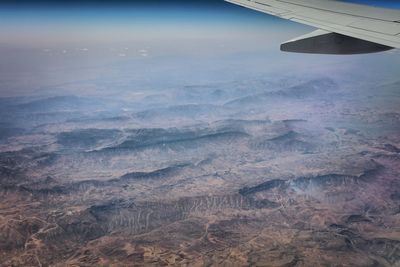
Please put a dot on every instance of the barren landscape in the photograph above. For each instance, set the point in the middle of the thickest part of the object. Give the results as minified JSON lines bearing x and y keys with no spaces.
{"x":269,"y":171}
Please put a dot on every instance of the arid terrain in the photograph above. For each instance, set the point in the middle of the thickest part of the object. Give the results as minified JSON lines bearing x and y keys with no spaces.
{"x":263,"y":172}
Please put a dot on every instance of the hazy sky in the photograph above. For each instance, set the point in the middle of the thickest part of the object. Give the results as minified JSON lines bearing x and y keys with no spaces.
{"x":47,"y":44}
{"x":55,"y":22}
{"x":118,"y":23}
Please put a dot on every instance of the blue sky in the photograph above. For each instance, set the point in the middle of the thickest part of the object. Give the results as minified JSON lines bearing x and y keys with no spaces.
{"x":383,"y":3}
{"x":147,"y":10}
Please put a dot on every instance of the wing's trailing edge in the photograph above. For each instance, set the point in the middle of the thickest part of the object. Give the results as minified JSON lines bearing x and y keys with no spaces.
{"x":345,"y":28}
{"x":323,"y":42}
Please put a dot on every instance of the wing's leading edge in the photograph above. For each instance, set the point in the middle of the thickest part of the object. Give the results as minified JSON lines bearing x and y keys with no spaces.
{"x":345,"y":28}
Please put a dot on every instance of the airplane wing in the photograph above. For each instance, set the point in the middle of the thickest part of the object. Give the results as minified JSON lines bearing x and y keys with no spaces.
{"x":343,"y":28}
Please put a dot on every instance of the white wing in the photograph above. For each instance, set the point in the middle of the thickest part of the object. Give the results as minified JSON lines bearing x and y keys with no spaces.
{"x":346,"y":28}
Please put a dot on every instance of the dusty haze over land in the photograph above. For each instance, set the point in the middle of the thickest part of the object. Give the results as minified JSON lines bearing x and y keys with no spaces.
{"x":208,"y":149}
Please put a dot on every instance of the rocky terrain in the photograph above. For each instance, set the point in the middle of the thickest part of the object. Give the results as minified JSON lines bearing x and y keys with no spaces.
{"x":301,"y":172}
